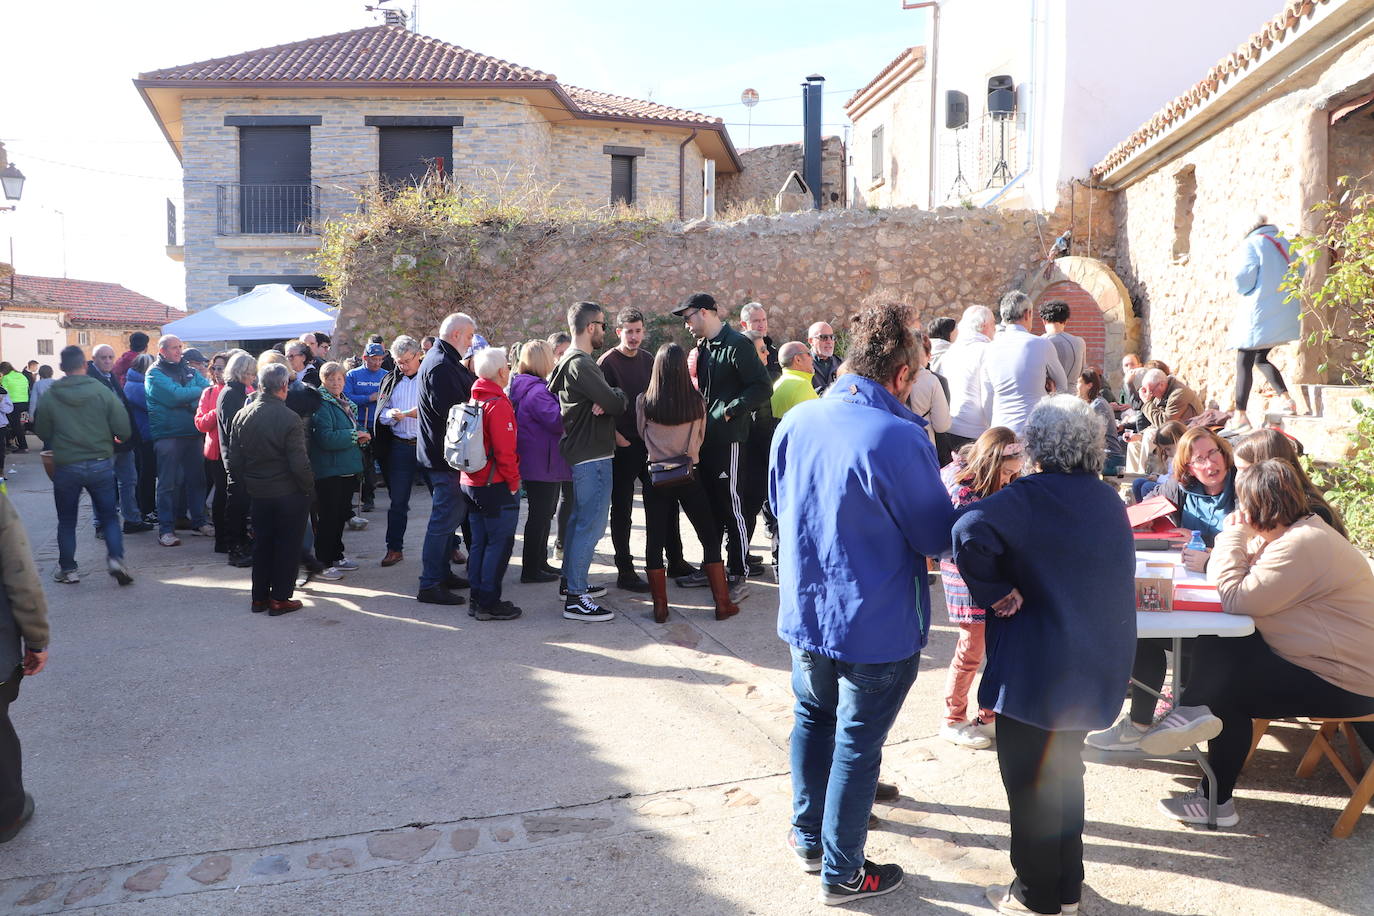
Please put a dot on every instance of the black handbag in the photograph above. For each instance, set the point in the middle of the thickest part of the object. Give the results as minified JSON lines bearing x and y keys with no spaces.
{"x":672,"y":472}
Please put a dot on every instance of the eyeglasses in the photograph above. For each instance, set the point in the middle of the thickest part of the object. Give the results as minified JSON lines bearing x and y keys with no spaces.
{"x":1202,"y":458}
{"x":593,"y":324}
{"x":690,"y":314}
{"x":824,"y":337}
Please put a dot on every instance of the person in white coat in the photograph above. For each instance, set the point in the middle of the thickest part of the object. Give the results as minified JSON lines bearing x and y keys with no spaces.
{"x":1266,"y":316}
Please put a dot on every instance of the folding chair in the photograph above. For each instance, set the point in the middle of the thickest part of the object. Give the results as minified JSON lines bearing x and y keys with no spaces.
{"x":1361,"y":786}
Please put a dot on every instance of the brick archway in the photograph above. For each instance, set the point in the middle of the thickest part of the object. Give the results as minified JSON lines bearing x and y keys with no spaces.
{"x":1085,"y":319}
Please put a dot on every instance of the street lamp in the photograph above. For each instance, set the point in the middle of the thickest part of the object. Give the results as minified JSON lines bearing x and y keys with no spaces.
{"x":13,"y":181}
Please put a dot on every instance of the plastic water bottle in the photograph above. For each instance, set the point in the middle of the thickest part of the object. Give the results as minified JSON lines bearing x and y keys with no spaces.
{"x":1195,"y":542}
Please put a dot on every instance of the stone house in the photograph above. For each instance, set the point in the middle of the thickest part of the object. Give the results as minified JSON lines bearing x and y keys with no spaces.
{"x":1267,"y":131}
{"x":1011,"y":100}
{"x":49,"y":313}
{"x":274,"y":141}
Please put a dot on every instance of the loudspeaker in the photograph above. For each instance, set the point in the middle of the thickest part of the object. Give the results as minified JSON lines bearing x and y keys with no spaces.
{"x":956,"y":109}
{"x":1001,"y":96}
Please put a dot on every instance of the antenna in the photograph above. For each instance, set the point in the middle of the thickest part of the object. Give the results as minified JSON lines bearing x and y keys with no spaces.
{"x":392,"y":16}
{"x":749,"y":98}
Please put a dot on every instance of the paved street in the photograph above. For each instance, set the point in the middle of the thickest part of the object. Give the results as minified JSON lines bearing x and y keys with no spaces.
{"x":369,"y":754}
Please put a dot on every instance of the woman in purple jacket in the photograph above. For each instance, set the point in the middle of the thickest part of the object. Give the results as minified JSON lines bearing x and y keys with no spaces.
{"x":539,"y":426}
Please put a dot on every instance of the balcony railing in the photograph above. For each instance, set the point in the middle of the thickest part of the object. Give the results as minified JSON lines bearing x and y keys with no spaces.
{"x":268,"y":209}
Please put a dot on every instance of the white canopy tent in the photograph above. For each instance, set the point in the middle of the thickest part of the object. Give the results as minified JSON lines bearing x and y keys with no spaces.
{"x":270,"y":311}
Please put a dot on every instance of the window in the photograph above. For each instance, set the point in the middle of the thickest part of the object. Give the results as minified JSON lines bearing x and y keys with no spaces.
{"x":407,"y":154}
{"x":1185,"y":196}
{"x":274,"y":179}
{"x":623,"y":180}
{"x":45,"y":348}
{"x":83,"y":338}
{"x":877,"y":153}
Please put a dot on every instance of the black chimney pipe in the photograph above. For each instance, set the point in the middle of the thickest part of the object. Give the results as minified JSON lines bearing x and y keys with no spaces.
{"x":811,"y":136}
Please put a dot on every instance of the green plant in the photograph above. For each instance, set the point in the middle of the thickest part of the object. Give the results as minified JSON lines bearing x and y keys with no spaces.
{"x":1332,"y":275}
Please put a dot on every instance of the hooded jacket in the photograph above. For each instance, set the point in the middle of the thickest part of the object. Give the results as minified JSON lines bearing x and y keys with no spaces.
{"x":499,"y":436}
{"x":81,"y":419}
{"x":579,"y":383}
{"x":857,"y":516}
{"x":23,"y":608}
{"x":137,"y":397}
{"x":540,"y":426}
{"x":173,"y":393}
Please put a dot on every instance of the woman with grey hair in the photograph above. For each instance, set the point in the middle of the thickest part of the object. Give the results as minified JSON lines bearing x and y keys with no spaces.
{"x":240,"y":377}
{"x":1060,"y":638}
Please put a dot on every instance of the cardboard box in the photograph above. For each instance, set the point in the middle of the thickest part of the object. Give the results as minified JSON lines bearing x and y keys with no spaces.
{"x":1154,"y":587}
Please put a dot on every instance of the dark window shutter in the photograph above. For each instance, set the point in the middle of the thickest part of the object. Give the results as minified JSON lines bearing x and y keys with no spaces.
{"x":274,"y":179}
{"x":623,"y":179}
{"x":405,"y":154}
{"x":877,"y":153}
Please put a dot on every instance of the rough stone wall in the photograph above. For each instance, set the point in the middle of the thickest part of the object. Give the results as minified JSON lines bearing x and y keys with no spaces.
{"x":504,"y":142}
{"x":103,"y":334}
{"x":1256,"y":165}
{"x":804,"y":267}
{"x":767,"y":167}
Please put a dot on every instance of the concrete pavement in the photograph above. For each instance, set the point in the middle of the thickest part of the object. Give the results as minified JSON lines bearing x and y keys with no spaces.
{"x":369,"y":754}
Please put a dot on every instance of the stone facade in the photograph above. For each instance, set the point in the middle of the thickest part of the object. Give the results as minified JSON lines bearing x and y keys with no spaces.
{"x":804,"y":267}
{"x":1180,"y":222}
{"x":506,"y":145}
{"x":766,"y":168}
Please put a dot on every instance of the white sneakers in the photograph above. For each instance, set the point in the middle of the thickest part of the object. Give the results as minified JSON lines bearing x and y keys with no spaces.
{"x":976,"y":735}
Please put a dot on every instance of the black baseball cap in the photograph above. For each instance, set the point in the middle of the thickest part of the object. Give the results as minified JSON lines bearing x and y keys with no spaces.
{"x":696,"y":301}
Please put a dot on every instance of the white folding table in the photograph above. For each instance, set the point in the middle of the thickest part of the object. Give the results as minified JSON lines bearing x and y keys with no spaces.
{"x":1178,"y":626}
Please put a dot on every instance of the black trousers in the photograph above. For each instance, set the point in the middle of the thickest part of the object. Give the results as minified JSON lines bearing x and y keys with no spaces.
{"x":754,"y":495}
{"x":334,"y":506}
{"x":147,"y":477}
{"x":565,"y":505}
{"x":279,"y":531}
{"x":369,"y":478}
{"x":17,"y":430}
{"x":1246,"y":361}
{"x":1149,"y":668}
{"x":661,"y":521}
{"x":1241,"y":679}
{"x":721,"y":472}
{"x":1042,"y":772}
{"x":630,"y":463}
{"x":218,"y":480}
{"x":543,"y":499}
{"x":11,"y":759}
{"x":236,"y":505}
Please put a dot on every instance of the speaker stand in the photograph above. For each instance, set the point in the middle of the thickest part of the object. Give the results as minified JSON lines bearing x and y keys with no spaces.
{"x":959,"y":179}
{"x":1001,"y":169}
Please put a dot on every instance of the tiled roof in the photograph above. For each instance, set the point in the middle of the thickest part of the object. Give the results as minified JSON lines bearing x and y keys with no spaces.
{"x":93,"y":302}
{"x":381,"y":53}
{"x":618,"y":106}
{"x":907,"y":54}
{"x":1273,"y":33}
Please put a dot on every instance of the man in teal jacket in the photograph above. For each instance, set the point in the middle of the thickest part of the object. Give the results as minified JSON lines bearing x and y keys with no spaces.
{"x":173,"y":390}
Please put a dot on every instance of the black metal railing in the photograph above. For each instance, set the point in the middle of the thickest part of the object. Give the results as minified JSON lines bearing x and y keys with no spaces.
{"x":269,"y":209}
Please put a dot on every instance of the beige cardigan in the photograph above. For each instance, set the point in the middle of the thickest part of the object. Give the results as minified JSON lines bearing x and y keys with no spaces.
{"x":1311,"y":594}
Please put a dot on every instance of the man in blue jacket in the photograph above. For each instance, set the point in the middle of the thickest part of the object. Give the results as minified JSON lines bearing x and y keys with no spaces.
{"x":363,"y":387}
{"x":857,"y":516}
{"x":173,"y":390}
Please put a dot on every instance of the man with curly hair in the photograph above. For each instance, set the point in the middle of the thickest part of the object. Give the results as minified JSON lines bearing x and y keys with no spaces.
{"x":857,"y":516}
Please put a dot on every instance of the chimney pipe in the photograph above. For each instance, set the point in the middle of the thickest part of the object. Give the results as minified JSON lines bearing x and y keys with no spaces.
{"x":811,"y":136}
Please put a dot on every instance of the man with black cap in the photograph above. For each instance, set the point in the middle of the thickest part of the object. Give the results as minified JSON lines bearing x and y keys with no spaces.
{"x":363,"y":386}
{"x":734,"y":382}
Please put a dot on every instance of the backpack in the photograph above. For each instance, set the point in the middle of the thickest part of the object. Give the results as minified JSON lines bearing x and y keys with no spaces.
{"x":465,"y":447}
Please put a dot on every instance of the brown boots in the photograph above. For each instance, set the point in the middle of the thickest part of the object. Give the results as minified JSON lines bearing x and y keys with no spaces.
{"x":720,"y":590}
{"x":658,"y":588}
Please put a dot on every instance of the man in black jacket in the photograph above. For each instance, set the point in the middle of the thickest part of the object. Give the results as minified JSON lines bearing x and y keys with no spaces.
{"x":444,"y":382}
{"x":101,"y":368}
{"x":735,"y":384}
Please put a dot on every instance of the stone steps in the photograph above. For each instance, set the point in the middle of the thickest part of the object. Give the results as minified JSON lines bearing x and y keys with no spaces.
{"x":1326,"y":433}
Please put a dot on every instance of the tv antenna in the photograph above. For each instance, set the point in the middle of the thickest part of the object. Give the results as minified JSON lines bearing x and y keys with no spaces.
{"x":393,"y":16}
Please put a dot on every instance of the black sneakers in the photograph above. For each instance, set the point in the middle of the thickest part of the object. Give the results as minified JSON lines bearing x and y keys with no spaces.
{"x":871,"y":881}
{"x":593,"y":591}
{"x":501,"y":610}
{"x":584,"y":608}
{"x":808,"y":856}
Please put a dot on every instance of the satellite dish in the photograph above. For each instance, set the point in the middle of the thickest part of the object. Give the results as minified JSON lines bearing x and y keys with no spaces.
{"x":749,"y":98}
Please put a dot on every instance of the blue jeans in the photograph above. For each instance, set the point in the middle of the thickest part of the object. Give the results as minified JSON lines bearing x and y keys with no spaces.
{"x":494,"y":513}
{"x":126,"y":477}
{"x":180,"y":467}
{"x":97,"y":478}
{"x":449,"y":509}
{"x":591,"y":507}
{"x":841,"y":719}
{"x":400,"y":481}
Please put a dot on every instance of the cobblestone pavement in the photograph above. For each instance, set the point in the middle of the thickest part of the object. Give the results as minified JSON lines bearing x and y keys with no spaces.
{"x":369,"y":754}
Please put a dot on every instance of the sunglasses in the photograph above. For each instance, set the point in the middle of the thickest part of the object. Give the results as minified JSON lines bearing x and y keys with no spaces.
{"x":825,"y":337}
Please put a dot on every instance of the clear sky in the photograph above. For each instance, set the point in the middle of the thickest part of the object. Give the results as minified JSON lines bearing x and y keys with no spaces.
{"x":99,"y":171}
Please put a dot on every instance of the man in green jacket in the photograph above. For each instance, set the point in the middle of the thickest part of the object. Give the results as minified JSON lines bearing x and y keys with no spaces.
{"x":734,"y":383}
{"x":81,"y":419}
{"x":589,"y":406}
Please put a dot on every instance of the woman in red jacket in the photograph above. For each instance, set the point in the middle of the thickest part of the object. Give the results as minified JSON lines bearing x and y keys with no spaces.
{"x":492,"y":489}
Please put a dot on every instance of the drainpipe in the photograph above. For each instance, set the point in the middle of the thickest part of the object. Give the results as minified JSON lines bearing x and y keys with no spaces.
{"x":1032,"y":93}
{"x":933,"y":62}
{"x":682,"y":175}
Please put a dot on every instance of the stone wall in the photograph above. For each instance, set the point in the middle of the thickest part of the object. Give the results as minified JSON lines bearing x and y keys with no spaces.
{"x":767,"y":167}
{"x":505,"y":143}
{"x":1179,"y":226}
{"x":804,"y":267}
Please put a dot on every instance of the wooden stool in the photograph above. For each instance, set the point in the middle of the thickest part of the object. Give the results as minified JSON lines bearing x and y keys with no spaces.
{"x":1361,"y":787}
